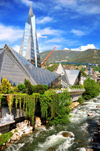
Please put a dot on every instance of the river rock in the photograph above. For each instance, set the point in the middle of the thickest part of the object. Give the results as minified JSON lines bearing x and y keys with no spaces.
{"x":97,"y":106}
{"x":90,"y":114}
{"x":7,"y":144}
{"x":51,"y":149}
{"x":4,"y":144}
{"x":74,"y":105}
{"x":82,"y":149}
{"x":9,"y":140}
{"x":79,"y":141}
{"x":66,"y":134}
{"x":17,"y":137}
{"x":2,"y":148}
{"x":12,"y":141}
{"x":98,"y":124}
{"x":14,"y":138}
{"x":37,"y":122}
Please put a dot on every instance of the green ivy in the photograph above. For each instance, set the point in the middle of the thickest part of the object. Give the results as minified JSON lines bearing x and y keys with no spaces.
{"x":45,"y":102}
{"x":53,"y":106}
{"x":1,"y":97}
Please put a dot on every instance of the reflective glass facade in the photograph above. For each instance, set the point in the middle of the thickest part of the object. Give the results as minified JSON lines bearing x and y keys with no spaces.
{"x":16,"y":68}
{"x":29,"y":46}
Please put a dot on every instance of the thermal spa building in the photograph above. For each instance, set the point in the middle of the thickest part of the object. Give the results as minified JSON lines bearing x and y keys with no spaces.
{"x":16,"y":68}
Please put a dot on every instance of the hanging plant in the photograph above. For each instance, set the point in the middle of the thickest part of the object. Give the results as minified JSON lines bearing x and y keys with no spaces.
{"x":1,"y":97}
{"x":16,"y":101}
{"x":24,"y":101}
{"x":20,"y":103}
{"x":45,"y":101}
{"x":31,"y":108}
{"x":26,"y":105}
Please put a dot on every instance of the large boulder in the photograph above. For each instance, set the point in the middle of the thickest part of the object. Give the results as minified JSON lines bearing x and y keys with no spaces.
{"x":90,"y":114}
{"x":66,"y":134}
{"x":37,"y":122}
{"x":74,"y":105}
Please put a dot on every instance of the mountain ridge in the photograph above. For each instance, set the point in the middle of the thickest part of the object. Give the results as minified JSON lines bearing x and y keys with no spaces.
{"x":87,"y":56}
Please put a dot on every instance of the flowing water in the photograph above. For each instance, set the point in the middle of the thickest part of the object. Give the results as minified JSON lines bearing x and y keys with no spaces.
{"x":81,"y":129}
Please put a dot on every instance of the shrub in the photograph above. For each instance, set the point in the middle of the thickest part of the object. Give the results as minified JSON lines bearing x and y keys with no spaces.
{"x":5,"y":137}
{"x":10,"y":91}
{"x":28,"y":87}
{"x":77,"y":86}
{"x":45,"y":86}
{"x":15,"y":89}
{"x":81,"y":100}
{"x":91,"y":89}
{"x":40,"y":89}
{"x":5,"y":86}
{"x":83,"y":74}
{"x":65,"y":98}
{"x":34,"y":88}
{"x":64,"y":109}
{"x":21,"y":87}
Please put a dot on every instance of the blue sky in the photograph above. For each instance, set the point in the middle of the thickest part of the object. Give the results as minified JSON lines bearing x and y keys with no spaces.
{"x":70,"y":24}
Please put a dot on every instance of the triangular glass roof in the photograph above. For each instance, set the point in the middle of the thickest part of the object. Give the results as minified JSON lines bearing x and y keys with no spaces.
{"x":39,"y":75}
{"x":72,"y":76}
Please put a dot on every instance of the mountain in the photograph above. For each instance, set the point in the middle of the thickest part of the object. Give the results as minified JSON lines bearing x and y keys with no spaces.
{"x":88,"y":56}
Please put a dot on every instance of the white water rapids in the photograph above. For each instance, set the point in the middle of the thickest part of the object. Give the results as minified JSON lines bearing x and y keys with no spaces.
{"x":51,"y":139}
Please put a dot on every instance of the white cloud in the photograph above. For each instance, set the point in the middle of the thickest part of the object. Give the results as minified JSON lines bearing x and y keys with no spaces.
{"x":10,"y":34}
{"x":44,"y":20}
{"x":16,"y":48}
{"x":68,"y":2}
{"x":27,"y":2}
{"x":36,"y":4}
{"x":49,"y":31}
{"x":44,"y":47}
{"x":81,"y":6}
{"x":55,"y":40}
{"x":88,"y":46}
{"x":83,"y":48}
{"x":77,"y":32}
{"x":66,"y":49}
{"x":40,"y":36}
{"x":57,"y":7}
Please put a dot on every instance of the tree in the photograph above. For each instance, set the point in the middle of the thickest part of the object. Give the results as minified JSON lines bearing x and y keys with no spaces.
{"x":21,"y":87}
{"x":91,"y":89}
{"x":45,"y":86}
{"x":28,"y":87}
{"x":5,"y":86}
{"x":40,"y":89}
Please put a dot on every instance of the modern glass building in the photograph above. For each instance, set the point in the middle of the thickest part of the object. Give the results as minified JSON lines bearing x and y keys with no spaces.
{"x":29,"y":46}
{"x":16,"y":68}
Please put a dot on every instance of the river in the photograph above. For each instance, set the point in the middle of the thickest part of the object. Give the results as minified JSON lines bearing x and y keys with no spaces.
{"x":81,"y":129}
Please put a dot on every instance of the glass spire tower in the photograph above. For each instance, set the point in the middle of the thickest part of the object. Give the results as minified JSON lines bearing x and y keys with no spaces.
{"x":29,"y":46}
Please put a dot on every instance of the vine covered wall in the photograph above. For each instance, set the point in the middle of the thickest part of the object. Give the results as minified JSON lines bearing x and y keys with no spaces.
{"x":52,"y":105}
